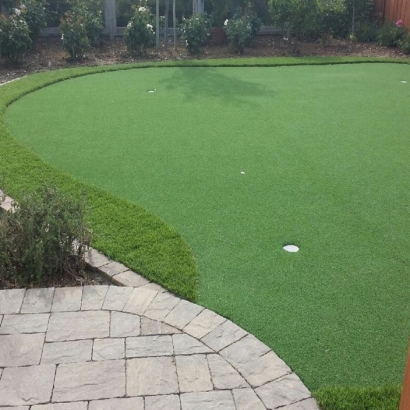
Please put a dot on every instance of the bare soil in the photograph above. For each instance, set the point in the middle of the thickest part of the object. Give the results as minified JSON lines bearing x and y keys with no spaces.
{"x":48,"y":54}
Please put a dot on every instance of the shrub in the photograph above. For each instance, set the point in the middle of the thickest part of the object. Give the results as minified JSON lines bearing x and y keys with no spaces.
{"x":405,"y":45}
{"x":195,"y":31}
{"x":239,"y":33}
{"x":45,"y":236}
{"x":367,"y":31}
{"x":391,"y":34}
{"x":330,"y":17}
{"x":139,"y":33}
{"x":35,"y":14}
{"x":14,"y":37}
{"x":74,"y":35}
{"x":254,"y":21}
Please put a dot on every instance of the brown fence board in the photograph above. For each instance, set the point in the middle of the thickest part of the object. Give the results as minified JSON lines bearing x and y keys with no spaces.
{"x":393,"y":10}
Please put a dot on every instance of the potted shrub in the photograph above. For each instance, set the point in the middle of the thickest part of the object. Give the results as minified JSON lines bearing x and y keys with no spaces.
{"x":219,"y":14}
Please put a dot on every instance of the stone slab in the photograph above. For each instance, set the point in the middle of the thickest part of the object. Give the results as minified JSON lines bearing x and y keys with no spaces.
{"x":151,"y":376}
{"x":21,"y":350}
{"x":309,"y":404}
{"x":133,"y":403}
{"x":14,"y":324}
{"x":124,"y":324}
{"x":78,"y":325}
{"x":161,"y":306}
{"x":193,"y":373}
{"x":93,"y":297}
{"x":169,"y":402}
{"x":139,"y":300}
{"x":153,"y":286}
{"x":89,"y":381}
{"x":246,"y":399}
{"x":95,"y":259}
{"x":244,"y":350}
{"x":11,"y":301}
{"x":26,"y":385}
{"x":108,"y":349}
{"x":38,"y":300}
{"x":151,"y":327}
{"x":224,"y":376}
{"x":67,"y":299}
{"x":116,"y":298}
{"x":113,"y":268}
{"x":147,"y":346}
{"x":129,"y":278}
{"x":224,"y":335}
{"x":81,"y":405}
{"x":15,"y":408}
{"x":282,"y":392}
{"x":208,"y":401}
{"x":67,"y":352}
{"x":183,"y":313}
{"x":204,"y":323}
{"x":185,"y":345}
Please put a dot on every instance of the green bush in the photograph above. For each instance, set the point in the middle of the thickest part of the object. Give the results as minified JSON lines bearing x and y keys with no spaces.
{"x":254,"y":21}
{"x":239,"y":33}
{"x":14,"y":37}
{"x":330,"y":18}
{"x":74,"y":35}
{"x":35,"y":14}
{"x":139,"y":33}
{"x":391,"y":34}
{"x":405,"y":45}
{"x":195,"y":31}
{"x":367,"y":31}
{"x":45,"y":236}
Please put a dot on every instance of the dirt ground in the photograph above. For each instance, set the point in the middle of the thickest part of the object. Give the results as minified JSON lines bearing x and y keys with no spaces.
{"x":48,"y":54}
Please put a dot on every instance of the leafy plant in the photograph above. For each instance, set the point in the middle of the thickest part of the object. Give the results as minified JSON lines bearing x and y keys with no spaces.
{"x":14,"y":37}
{"x":74,"y":35}
{"x":405,"y":44}
{"x":330,"y":17}
{"x":391,"y":34}
{"x":44,"y":236}
{"x":35,"y":14}
{"x":239,"y":33}
{"x":254,"y":21}
{"x":139,"y":33}
{"x":367,"y":31}
{"x":220,"y":12}
{"x":195,"y":31}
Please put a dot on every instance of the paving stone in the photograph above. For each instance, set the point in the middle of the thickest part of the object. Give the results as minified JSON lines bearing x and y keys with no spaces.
{"x":169,"y":402}
{"x":153,"y":327}
{"x":15,"y":408}
{"x":151,"y":376}
{"x":145,"y":346}
{"x":183,"y":313}
{"x":246,"y":399}
{"x":1,"y":371}
{"x":309,"y":404}
{"x":129,"y":278}
{"x":185,"y":344}
{"x":95,"y":258}
{"x":224,"y":335}
{"x":203,"y":324}
{"x":113,"y":268}
{"x":140,"y":300}
{"x":154,"y":286}
{"x":134,"y":403}
{"x":11,"y":301}
{"x":260,"y":370}
{"x":108,"y":349}
{"x":21,"y":350}
{"x":78,"y":325}
{"x":221,"y":400}
{"x":244,"y":350}
{"x":1,"y":319}
{"x":89,"y":381}
{"x":224,"y":376}
{"x":93,"y":297}
{"x":282,"y":392}
{"x":26,"y":385}
{"x":116,"y":298}
{"x":67,"y":352}
{"x":13,"y":324}
{"x":124,"y":324}
{"x":193,"y":373}
{"x":81,"y":405}
{"x":38,"y":300}
{"x":161,"y":306}
{"x":67,"y":299}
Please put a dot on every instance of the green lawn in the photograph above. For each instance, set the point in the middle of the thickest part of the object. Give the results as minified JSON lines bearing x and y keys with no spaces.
{"x":325,"y":156}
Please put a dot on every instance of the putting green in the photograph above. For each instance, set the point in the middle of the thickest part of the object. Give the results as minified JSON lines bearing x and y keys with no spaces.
{"x":242,"y":161}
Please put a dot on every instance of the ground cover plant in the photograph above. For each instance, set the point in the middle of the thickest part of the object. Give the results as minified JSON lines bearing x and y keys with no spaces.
{"x":257,"y":162}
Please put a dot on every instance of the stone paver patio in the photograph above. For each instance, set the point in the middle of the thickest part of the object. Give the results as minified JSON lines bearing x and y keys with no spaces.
{"x":142,"y":348}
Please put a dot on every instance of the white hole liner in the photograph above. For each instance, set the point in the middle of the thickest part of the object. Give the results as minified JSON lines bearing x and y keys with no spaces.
{"x":291,"y":248}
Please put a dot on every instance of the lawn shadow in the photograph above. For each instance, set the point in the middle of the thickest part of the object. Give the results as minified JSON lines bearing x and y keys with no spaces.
{"x":199,"y":82}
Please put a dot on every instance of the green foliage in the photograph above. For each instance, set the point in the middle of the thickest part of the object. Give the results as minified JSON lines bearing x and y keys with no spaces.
{"x":220,"y":12}
{"x":352,"y":398}
{"x":45,"y":236}
{"x":74,"y":35}
{"x":391,"y":35}
{"x":139,"y":33}
{"x":254,"y":21}
{"x":405,"y":45}
{"x":35,"y":14}
{"x":195,"y":31}
{"x":330,"y":18}
{"x":367,"y":31}
{"x":14,"y":37}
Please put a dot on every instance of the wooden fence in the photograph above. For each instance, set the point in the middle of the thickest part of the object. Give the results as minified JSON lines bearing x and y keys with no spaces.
{"x":393,"y":10}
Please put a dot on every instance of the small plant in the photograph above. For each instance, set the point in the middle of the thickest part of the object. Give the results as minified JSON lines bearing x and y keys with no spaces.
{"x":14,"y":37}
{"x":392,"y":34}
{"x":35,"y":14}
{"x":367,"y":31}
{"x":330,"y":17}
{"x":44,"y":236}
{"x":239,"y":33}
{"x":74,"y":35}
{"x":139,"y":33}
{"x":254,"y":21}
{"x":219,"y":13}
{"x":405,"y":45}
{"x":195,"y":31}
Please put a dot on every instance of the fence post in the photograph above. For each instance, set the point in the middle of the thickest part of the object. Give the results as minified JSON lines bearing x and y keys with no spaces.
{"x":405,"y":395}
{"x":110,"y":16}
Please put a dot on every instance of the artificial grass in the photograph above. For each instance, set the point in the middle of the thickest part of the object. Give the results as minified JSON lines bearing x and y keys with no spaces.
{"x":321,"y":148}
